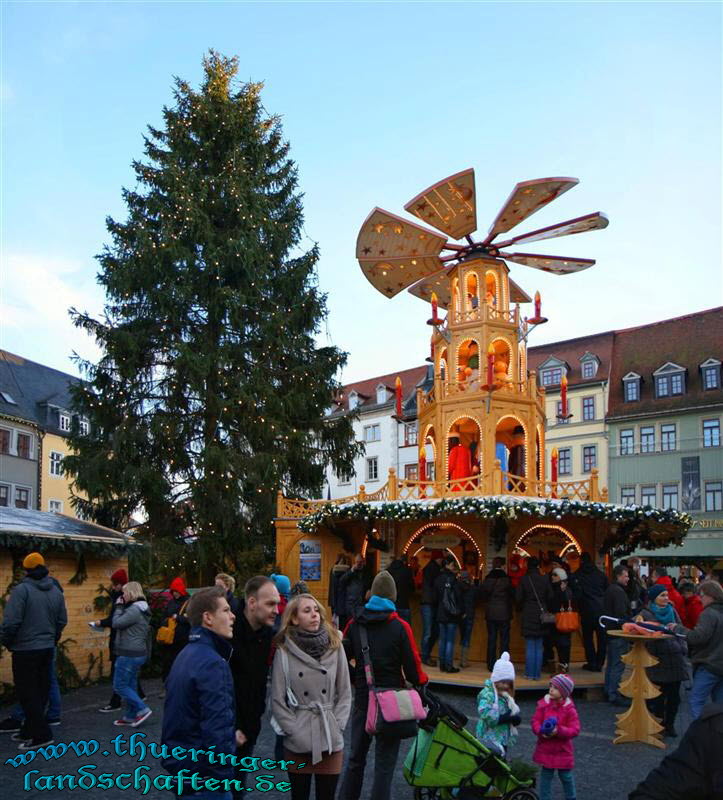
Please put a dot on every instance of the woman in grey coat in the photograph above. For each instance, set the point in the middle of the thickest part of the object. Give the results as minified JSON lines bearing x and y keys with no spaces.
{"x":672,"y":666}
{"x":310,"y":696}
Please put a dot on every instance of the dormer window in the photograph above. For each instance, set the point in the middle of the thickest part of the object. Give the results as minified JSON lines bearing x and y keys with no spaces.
{"x":669,"y":380}
{"x":64,"y":421}
{"x":710,"y":374}
{"x":83,"y":426}
{"x":382,"y":393}
{"x":551,"y":376}
{"x":631,"y":387}
{"x":353,"y":400}
{"x":588,"y":365}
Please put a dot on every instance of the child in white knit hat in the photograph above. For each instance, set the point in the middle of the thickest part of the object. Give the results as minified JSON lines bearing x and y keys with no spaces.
{"x":499,"y":715}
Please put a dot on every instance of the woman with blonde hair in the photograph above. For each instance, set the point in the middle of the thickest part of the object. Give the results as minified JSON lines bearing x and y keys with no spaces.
{"x":131,"y":622}
{"x":310,"y":696}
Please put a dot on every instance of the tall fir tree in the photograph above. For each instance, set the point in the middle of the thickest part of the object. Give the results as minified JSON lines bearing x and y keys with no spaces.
{"x":210,"y":393}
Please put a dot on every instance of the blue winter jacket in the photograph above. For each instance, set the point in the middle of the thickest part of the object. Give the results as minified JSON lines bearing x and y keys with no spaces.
{"x":200,"y":707}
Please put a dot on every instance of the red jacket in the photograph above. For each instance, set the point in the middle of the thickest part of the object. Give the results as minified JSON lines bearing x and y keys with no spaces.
{"x":676,"y":598}
{"x":556,"y":752}
{"x":693,"y":607}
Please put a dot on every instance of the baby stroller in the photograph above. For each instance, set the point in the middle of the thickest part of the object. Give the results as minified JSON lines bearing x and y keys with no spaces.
{"x":446,"y":762}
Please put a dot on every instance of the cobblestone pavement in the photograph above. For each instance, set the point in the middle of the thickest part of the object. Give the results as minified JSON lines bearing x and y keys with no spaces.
{"x":603,"y":770}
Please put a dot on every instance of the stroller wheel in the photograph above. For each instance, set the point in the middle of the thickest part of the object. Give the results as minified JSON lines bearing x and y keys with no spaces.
{"x":521,"y":794}
{"x":426,"y":793}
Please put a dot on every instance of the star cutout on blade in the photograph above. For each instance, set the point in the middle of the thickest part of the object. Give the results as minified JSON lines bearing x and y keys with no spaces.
{"x":366,"y":251}
{"x":421,"y":206}
{"x":382,"y":252}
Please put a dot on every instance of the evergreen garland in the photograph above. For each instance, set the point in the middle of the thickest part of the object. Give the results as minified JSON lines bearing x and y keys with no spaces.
{"x":26,"y":542}
{"x":211,"y":390}
{"x":632,"y":527}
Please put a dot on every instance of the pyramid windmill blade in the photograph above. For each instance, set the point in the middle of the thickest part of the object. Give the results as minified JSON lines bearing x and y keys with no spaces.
{"x":526,"y":198}
{"x":589,"y":222}
{"x":395,"y":253}
{"x":439,"y":284}
{"x":558,"y":265}
{"x":449,"y":205}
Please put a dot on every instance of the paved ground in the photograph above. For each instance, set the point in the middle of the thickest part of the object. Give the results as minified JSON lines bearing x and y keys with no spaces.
{"x":603,"y":769}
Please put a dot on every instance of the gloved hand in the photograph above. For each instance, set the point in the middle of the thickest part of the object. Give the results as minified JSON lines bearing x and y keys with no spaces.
{"x":548,"y":726}
{"x":505,"y":718}
{"x":515,"y":719}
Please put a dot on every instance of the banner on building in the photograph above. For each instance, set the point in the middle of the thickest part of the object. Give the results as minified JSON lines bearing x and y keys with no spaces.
{"x":690,"y":468}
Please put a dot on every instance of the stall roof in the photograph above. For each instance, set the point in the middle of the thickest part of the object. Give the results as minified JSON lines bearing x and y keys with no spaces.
{"x":57,"y":526}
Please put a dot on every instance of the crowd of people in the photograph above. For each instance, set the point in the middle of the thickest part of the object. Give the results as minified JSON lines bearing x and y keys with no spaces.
{"x":222,"y":654}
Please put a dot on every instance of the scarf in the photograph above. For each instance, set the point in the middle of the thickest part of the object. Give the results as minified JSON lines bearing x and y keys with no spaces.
{"x":663,"y":614}
{"x":313,"y":643}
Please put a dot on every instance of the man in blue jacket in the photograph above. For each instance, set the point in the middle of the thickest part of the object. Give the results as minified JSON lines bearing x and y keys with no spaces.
{"x":200,"y":708}
{"x":35,"y":616}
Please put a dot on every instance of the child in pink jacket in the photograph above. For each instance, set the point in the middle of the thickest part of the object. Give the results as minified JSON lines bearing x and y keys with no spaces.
{"x":556,"y":724}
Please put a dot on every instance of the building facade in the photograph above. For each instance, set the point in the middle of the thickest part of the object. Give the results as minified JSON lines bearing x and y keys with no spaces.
{"x":35,"y":417}
{"x":664,"y":425}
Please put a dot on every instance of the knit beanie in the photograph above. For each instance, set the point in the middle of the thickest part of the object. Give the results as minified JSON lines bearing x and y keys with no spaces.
{"x":563,"y":683}
{"x":656,"y":590}
{"x":119,"y":576}
{"x":282,"y":584}
{"x":383,"y":586}
{"x":560,"y":572}
{"x":33,"y":560}
{"x":504,"y":669}
{"x":178,"y":585}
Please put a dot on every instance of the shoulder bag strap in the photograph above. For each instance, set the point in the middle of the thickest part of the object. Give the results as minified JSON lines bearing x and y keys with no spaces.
{"x":537,"y":597}
{"x":291,"y":700}
{"x":368,"y":671}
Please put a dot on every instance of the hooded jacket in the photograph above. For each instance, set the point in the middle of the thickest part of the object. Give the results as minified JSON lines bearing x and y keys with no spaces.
{"x":496,"y":592}
{"x":393,"y":652}
{"x":337,"y":593}
{"x":556,"y":752}
{"x":706,"y":639}
{"x":199,"y":709}
{"x":588,"y":585}
{"x":695,"y":770}
{"x":132,"y":625}
{"x":35,"y":614}
{"x":448,"y":580}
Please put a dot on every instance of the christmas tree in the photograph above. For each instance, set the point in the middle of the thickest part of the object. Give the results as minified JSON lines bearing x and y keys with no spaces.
{"x":210,"y":393}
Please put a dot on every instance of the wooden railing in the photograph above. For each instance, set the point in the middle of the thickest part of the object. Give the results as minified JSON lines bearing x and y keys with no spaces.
{"x":496,"y":482}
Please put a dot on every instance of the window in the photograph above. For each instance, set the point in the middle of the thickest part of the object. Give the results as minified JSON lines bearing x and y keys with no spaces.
{"x":373,"y":469}
{"x":711,"y":433}
{"x":670,"y":495}
{"x":551,"y":377}
{"x":353,"y":400}
{"x":4,"y":494}
{"x":56,"y":506}
{"x":711,"y":377}
{"x":667,"y":437}
{"x":8,"y":398}
{"x":64,"y":422}
{"x":411,"y":472}
{"x":588,"y":408}
{"x":627,"y":495}
{"x":410,"y":433}
{"x":647,"y":439}
{"x":84,"y":427}
{"x":564,"y":461}
{"x":662,"y":386}
{"x":589,"y":368}
{"x":627,"y":442}
{"x":22,"y":497}
{"x":589,"y":457}
{"x":56,"y":463}
{"x":431,"y":470}
{"x":560,"y":419}
{"x":666,"y":385}
{"x":676,"y":383}
{"x":4,"y":440}
{"x":632,"y":389}
{"x":342,"y":480}
{"x":714,"y":496}
{"x":648,"y":495}
{"x":372,"y":433}
{"x":24,"y":443}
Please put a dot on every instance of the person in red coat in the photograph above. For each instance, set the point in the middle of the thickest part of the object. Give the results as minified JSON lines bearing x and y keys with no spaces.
{"x":556,"y":724}
{"x":660,"y":575}
{"x":459,"y":464}
{"x":693,"y":605}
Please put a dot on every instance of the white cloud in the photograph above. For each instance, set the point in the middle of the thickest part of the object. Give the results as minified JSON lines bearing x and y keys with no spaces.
{"x":37,"y":291}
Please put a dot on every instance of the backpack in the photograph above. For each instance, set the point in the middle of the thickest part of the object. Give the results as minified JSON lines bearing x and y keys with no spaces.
{"x":449,"y":600}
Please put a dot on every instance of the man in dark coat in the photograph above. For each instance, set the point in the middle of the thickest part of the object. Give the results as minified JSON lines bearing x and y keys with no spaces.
{"x":34,"y":619}
{"x":533,"y":596}
{"x":695,"y":770}
{"x":588,"y":586}
{"x":404,"y":581}
{"x":430,"y":626}
{"x":337,"y":593}
{"x":199,"y":708}
{"x":355,"y":584}
{"x":616,"y":604}
{"x":450,"y":612}
{"x":252,"y":635}
{"x":496,"y":592}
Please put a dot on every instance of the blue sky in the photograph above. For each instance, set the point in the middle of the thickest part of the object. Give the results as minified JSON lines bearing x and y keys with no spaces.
{"x":379,"y":100}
